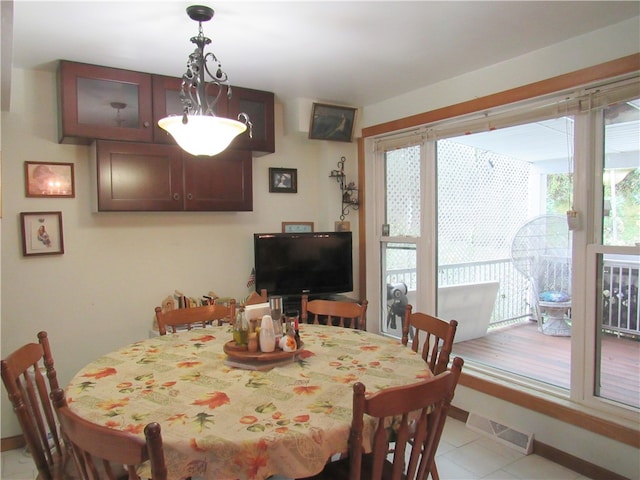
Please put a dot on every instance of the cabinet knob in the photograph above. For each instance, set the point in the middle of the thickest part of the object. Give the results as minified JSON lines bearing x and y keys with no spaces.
{"x":189,"y":196}
{"x":146,"y":124}
{"x":176,"y":196}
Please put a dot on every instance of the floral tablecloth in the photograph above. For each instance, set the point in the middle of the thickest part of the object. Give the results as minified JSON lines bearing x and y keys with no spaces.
{"x":220,"y":422}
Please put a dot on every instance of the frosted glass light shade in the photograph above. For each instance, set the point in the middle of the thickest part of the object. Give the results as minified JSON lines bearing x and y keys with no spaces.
{"x":202,"y":134}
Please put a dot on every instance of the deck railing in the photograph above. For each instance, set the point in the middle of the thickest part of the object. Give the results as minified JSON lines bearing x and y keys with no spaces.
{"x":621,"y":314}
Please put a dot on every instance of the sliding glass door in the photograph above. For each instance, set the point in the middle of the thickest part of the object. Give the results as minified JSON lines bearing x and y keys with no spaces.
{"x":504,"y":246}
{"x":615,"y":252}
{"x":526,"y":232}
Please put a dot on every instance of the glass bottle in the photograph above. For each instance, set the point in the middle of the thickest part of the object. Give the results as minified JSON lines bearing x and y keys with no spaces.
{"x":241,"y":328}
{"x":293,"y":318}
{"x":275,"y":305}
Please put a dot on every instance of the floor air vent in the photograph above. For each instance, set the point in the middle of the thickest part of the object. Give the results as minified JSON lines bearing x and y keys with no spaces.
{"x":523,"y":442}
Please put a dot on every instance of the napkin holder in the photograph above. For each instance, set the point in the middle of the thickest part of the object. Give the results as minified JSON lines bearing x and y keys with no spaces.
{"x":256,"y":312}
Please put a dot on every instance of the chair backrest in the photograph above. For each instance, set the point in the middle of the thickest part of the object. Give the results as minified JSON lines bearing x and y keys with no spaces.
{"x":200,"y":316}
{"x":334,"y":312}
{"x":99,"y":451}
{"x":22,"y":375}
{"x":438,"y":337}
{"x":419,"y":412}
{"x":256,"y":297}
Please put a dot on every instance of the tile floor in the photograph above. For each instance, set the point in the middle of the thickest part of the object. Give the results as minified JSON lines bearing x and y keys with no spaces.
{"x":463,"y":455}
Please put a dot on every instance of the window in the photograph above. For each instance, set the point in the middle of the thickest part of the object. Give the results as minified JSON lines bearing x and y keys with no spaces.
{"x":536,"y":160}
{"x":616,"y":328}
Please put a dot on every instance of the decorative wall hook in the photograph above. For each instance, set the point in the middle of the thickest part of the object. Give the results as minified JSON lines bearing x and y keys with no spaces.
{"x":349,"y":190}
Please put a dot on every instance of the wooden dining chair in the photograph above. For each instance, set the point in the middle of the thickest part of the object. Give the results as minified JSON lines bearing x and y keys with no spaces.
{"x":438,"y":338}
{"x":100,"y":452}
{"x":199,"y":316}
{"x":418,"y":413}
{"x":22,"y":375}
{"x":254,"y":298}
{"x":334,"y":312}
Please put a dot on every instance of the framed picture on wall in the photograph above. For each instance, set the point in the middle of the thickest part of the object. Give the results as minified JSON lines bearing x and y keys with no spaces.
{"x":297,"y":227}
{"x":283,"y":180}
{"x":41,"y":233}
{"x":44,"y":179}
{"x":332,"y":122}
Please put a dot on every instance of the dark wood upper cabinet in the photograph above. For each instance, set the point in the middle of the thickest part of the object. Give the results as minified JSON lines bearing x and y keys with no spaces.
{"x":219,"y":183}
{"x":103,"y":103}
{"x":154,"y":177}
{"x":138,"y":177}
{"x":138,"y":165}
{"x":259,"y":106}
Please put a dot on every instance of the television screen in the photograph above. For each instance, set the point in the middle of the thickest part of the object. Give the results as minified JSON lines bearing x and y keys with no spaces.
{"x":297,"y":263}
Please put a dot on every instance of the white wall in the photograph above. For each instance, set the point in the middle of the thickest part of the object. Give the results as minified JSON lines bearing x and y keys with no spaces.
{"x":117,"y":267}
{"x":581,"y":52}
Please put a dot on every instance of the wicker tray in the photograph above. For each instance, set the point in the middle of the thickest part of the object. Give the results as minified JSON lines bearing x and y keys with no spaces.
{"x":241,"y":353}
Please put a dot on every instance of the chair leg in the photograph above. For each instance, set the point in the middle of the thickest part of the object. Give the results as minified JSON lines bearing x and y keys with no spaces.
{"x":434,"y":472}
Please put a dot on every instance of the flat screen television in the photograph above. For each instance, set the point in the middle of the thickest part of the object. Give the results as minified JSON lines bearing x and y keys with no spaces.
{"x":297,"y":263}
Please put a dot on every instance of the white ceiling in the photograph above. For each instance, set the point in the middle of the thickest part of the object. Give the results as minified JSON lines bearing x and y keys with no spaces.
{"x":352,"y":53}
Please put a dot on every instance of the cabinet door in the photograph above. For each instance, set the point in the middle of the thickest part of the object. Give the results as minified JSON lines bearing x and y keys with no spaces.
{"x":138,"y":177}
{"x":219,"y":183}
{"x":103,"y":103}
{"x":259,"y":106}
{"x":166,"y":101}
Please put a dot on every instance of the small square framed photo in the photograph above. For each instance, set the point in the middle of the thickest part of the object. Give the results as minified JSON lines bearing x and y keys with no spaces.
{"x":283,"y":180}
{"x":297,"y":227}
{"x":44,"y":179}
{"x":41,"y":233}
{"x":332,"y":122}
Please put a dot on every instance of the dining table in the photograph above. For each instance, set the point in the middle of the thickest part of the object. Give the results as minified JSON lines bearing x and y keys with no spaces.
{"x":223,"y":422}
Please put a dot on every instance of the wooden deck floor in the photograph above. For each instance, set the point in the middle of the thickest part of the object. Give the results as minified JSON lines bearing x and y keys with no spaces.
{"x":547,"y":359}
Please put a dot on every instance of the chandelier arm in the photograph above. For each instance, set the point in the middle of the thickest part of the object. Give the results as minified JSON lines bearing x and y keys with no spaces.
{"x":245,"y":117}
{"x":200,"y":81}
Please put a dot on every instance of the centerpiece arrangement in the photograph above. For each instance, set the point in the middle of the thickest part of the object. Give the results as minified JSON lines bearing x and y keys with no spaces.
{"x":262,"y":347}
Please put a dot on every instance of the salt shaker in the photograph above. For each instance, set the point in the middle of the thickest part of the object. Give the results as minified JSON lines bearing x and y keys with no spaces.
{"x":267,"y":335}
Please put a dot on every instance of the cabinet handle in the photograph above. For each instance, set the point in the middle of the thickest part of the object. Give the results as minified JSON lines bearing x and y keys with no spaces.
{"x":146,"y":124}
{"x":189,"y":196}
{"x":176,"y":196}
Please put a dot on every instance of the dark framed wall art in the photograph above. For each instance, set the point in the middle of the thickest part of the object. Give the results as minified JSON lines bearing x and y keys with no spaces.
{"x":44,"y":179}
{"x":332,"y":122}
{"x":41,"y":233}
{"x":283,"y":180}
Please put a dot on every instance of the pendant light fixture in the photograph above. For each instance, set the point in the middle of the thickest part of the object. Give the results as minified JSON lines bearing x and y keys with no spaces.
{"x":198,"y":130}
